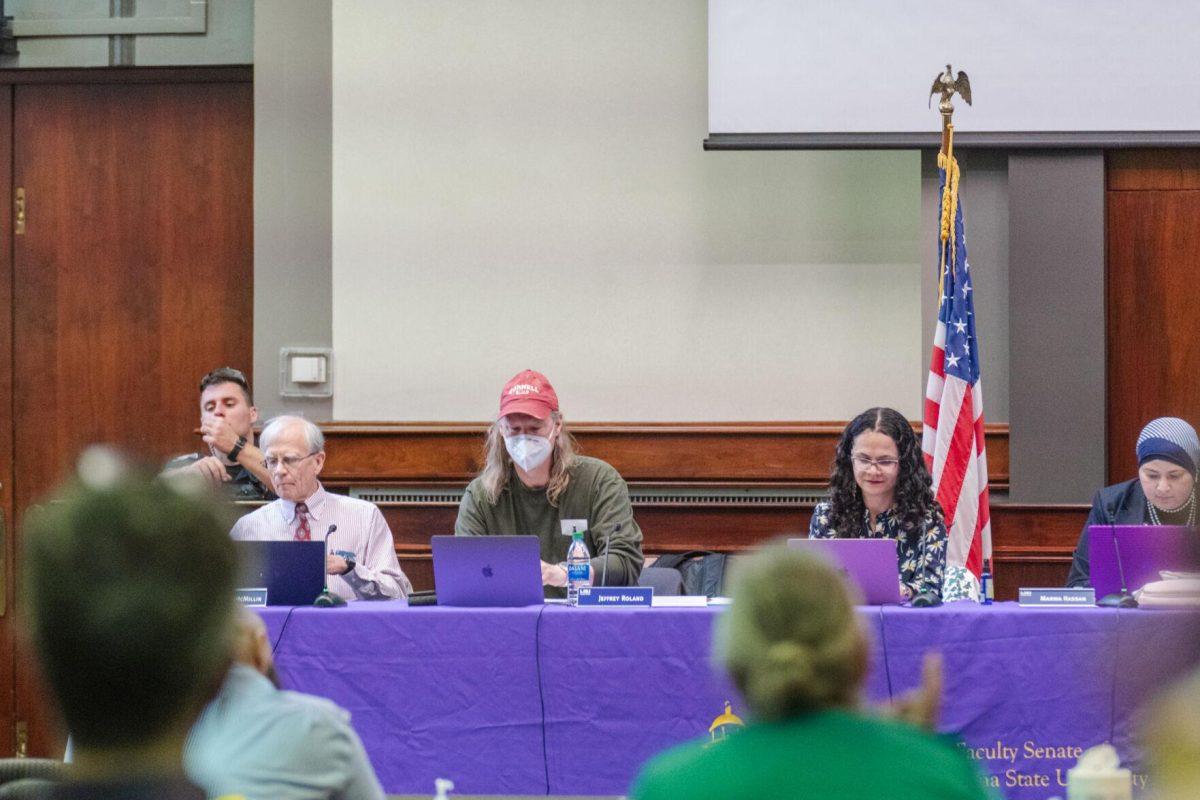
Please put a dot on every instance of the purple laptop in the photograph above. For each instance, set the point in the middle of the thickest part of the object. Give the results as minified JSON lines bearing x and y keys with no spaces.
{"x":1144,"y":550}
{"x":870,"y":564}
{"x":487,"y":571}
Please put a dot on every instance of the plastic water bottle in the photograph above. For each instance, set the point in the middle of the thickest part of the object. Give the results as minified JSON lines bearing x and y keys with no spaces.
{"x":987,"y":589}
{"x":579,"y":567}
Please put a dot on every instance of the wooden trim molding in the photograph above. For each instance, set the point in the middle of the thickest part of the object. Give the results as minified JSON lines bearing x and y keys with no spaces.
{"x":766,"y":453}
{"x":235,"y":73}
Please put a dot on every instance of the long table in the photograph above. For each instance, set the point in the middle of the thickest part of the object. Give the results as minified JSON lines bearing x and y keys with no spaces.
{"x":571,"y":701}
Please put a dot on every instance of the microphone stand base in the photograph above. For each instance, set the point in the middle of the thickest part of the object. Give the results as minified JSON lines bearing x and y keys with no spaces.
{"x":1121,"y":599}
{"x":328,"y":599}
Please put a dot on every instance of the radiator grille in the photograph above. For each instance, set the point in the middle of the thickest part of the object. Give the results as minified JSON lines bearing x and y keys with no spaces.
{"x":641,"y":496}
{"x":408,"y":497}
{"x":726,"y":496}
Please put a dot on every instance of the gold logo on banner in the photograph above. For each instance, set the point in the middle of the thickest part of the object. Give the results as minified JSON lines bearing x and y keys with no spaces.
{"x":725,"y":724}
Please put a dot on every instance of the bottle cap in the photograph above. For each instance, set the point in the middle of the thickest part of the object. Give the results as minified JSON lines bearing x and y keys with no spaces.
{"x":577,"y":535}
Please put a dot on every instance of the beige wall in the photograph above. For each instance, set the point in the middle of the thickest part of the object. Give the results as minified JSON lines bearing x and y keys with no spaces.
{"x":292,"y":217}
{"x":522,"y":184}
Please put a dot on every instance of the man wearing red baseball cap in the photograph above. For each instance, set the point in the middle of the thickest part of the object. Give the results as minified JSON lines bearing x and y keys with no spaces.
{"x":534,"y":482}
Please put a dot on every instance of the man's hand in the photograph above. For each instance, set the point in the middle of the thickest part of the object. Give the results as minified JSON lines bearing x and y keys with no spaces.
{"x":553,"y":575}
{"x":922,"y":706}
{"x":219,"y":434}
{"x":211,"y":468}
{"x":336,"y":565}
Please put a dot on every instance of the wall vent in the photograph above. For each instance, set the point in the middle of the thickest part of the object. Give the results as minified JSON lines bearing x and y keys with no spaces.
{"x":421,"y":496}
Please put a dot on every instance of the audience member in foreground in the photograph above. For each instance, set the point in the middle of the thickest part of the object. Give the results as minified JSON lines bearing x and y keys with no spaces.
{"x":130,"y":589}
{"x":1171,"y":735}
{"x":533,"y":482}
{"x":227,"y":417}
{"x":793,"y":646}
{"x":1163,"y":493}
{"x":361,"y":561}
{"x":880,"y":489}
{"x":257,"y":740}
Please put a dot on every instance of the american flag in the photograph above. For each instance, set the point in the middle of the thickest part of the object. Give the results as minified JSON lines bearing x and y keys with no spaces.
{"x":952,"y":439}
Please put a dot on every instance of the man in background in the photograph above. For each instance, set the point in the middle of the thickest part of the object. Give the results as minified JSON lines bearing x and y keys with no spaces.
{"x":227,"y":415}
{"x":360,"y":558}
{"x":534,"y":482}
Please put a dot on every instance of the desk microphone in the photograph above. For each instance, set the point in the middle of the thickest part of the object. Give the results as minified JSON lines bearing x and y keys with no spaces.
{"x":1121,"y":599}
{"x":607,"y":544}
{"x":327,"y":599}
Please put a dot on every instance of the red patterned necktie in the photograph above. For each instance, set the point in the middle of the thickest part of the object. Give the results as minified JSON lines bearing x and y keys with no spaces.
{"x":303,"y":533}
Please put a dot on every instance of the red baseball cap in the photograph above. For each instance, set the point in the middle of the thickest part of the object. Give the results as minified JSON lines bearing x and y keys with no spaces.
{"x":528,"y":393}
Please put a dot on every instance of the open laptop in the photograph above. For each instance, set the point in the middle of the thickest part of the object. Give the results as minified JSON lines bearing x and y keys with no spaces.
{"x":487,"y":571}
{"x":870,"y":564}
{"x":293,"y":573}
{"x":1144,"y":551}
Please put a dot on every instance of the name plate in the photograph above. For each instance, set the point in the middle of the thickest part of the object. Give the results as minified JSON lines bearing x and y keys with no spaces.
{"x":1057,"y":598}
{"x":616,"y":596}
{"x":252,"y":598}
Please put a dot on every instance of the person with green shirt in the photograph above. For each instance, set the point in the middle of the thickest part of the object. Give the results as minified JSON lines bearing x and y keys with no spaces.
{"x":793,"y":646}
{"x":534,"y":482}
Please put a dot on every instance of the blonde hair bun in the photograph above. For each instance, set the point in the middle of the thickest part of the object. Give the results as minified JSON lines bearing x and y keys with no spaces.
{"x":791,"y":639}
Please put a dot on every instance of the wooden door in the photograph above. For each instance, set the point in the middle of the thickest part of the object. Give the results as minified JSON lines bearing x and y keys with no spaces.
{"x":1153,"y":295}
{"x":132,"y":279}
{"x":7,"y":526}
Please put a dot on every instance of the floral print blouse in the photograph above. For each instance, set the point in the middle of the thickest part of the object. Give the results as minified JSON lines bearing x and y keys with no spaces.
{"x":922,"y":563}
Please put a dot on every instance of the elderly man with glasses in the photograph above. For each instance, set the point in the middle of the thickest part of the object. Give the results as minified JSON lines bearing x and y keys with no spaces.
{"x":231,"y":461}
{"x":361,"y":561}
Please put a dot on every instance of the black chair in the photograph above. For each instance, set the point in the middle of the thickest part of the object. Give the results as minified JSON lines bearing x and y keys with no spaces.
{"x":27,"y":789}
{"x":12,"y":769}
{"x":666,"y":581}
{"x":28,"y":777}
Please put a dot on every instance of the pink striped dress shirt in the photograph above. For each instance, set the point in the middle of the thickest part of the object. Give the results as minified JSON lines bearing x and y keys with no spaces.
{"x":361,"y":531}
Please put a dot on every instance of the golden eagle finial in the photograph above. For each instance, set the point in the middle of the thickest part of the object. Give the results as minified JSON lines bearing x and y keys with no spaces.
{"x":947,"y":85}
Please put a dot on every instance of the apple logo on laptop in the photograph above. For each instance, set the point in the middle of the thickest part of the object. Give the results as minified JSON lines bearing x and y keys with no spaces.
{"x":487,"y":572}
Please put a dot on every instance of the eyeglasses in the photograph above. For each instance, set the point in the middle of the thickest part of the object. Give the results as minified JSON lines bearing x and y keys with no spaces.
{"x":884,"y":464}
{"x":291,"y":462}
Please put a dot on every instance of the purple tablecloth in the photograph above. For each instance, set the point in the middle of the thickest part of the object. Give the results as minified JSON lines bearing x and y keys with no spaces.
{"x":433,"y":692}
{"x":637,"y":680}
{"x":572,"y":701}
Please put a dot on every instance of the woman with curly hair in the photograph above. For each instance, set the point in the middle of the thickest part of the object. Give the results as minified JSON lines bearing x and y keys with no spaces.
{"x":880,"y":489}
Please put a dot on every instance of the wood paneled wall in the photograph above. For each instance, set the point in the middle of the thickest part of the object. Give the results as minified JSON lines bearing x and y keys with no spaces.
{"x":135,"y":272}
{"x":1153,"y":295}
{"x":8,"y":570}
{"x":133,"y":277}
{"x":776,"y":453}
{"x":1032,"y":544}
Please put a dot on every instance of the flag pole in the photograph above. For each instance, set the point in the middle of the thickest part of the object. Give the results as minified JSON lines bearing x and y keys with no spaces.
{"x":947,"y":85}
{"x":952,"y":436}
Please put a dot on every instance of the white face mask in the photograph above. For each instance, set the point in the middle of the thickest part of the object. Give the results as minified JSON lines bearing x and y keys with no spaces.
{"x":528,"y":452}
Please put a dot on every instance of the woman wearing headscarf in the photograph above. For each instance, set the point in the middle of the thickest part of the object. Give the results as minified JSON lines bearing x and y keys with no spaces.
{"x":1163,"y":493}
{"x":793,"y":646}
